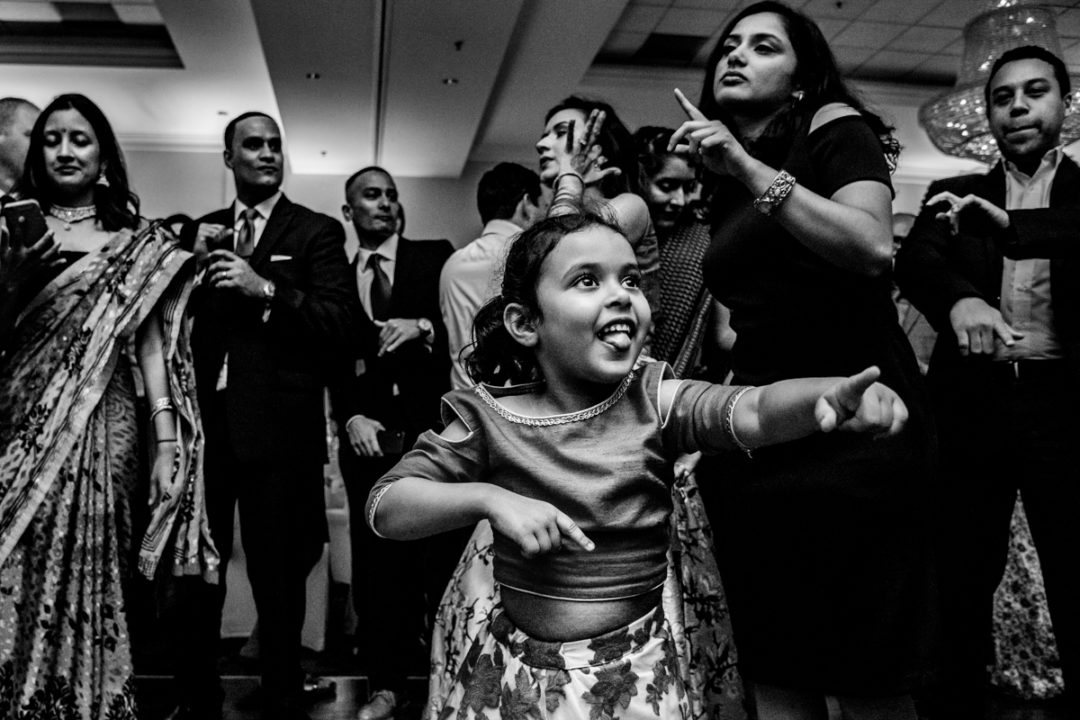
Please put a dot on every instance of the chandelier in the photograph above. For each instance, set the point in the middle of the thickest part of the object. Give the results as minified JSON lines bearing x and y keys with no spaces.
{"x":956,"y":121}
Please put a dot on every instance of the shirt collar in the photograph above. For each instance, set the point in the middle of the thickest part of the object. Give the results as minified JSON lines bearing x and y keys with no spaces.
{"x":1049,"y":163}
{"x":501,"y":227}
{"x":387,"y":248}
{"x":265,"y":207}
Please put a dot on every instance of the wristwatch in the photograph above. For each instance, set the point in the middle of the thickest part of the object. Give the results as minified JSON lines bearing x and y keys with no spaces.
{"x":268,"y":290}
{"x":425,"y":327}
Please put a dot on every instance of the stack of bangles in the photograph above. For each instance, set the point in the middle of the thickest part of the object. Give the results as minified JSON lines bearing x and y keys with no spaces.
{"x":569,"y":188}
{"x":159,"y":406}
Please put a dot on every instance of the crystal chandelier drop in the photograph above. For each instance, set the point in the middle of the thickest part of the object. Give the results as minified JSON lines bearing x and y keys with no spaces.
{"x":956,"y":121}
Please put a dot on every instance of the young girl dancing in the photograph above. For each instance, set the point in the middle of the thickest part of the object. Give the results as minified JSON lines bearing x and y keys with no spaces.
{"x":572,"y":465}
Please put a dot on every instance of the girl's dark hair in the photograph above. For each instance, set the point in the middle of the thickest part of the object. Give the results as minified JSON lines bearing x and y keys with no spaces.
{"x":616,"y":143}
{"x":496,"y":357}
{"x":117,"y":206}
{"x":816,"y":75}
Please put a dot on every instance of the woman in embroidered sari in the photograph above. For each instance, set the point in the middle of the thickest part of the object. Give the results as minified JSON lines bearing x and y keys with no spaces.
{"x":69,"y":441}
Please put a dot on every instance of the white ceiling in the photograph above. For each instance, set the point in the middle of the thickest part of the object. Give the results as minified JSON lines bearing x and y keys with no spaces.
{"x":381,"y":94}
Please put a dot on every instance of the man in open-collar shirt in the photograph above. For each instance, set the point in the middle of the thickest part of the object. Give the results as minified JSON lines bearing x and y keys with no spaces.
{"x":992,"y":262}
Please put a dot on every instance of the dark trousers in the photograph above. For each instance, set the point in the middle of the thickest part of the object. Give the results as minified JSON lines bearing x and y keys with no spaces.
{"x":283,"y":536}
{"x":396,"y":585}
{"x":1022,"y":436}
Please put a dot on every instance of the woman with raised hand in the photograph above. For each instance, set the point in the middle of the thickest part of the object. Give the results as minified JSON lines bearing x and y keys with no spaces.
{"x":70,"y":443}
{"x":823,"y":544}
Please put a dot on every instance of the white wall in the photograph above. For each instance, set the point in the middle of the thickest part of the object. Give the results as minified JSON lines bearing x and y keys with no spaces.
{"x":435,"y":208}
{"x":169,"y":182}
{"x":197,"y":182}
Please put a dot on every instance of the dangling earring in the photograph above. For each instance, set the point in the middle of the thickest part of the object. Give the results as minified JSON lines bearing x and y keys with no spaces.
{"x":101,"y":179}
{"x":798,"y":96}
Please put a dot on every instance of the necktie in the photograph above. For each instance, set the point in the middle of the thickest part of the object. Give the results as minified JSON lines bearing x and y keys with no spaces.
{"x":380,"y":287}
{"x":245,"y":241}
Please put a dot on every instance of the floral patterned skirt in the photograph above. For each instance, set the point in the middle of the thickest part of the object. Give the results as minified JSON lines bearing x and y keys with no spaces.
{"x":695,"y":610}
{"x":632,"y":672}
{"x":1026,"y":661}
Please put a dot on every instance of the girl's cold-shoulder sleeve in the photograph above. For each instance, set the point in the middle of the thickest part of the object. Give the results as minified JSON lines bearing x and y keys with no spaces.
{"x":435,"y":458}
{"x":695,"y":421}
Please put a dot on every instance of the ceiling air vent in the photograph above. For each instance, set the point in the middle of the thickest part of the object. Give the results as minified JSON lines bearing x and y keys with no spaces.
{"x":82,"y":33}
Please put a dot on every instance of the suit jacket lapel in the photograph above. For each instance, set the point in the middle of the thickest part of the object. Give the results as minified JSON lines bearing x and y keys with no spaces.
{"x":275,"y":226}
{"x":1063,"y":191}
{"x":994,"y":185}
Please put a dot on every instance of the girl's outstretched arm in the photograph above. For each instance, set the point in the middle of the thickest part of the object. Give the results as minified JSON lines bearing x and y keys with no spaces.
{"x":792,"y":409}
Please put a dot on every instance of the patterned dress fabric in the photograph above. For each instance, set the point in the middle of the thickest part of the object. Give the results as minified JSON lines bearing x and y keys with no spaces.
{"x":680,"y":330}
{"x":69,"y":450}
{"x":629,"y":673}
{"x":1026,"y":662}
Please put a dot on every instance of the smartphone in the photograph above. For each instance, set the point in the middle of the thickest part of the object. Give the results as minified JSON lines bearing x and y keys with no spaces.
{"x":391,"y":442}
{"x":25,"y":222}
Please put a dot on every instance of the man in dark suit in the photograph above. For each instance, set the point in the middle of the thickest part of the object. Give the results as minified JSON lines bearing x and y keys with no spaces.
{"x":384,"y":399}
{"x":273,"y":312}
{"x":992,"y":262}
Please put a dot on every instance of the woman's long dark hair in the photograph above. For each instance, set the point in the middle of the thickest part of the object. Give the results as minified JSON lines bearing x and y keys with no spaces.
{"x":816,"y":75}
{"x":615,"y":141}
{"x":497,"y":358}
{"x":117,"y":206}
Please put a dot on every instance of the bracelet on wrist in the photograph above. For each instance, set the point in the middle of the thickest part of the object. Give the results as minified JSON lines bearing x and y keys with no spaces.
{"x":166,"y":440}
{"x":727,"y":420}
{"x":161,"y":405}
{"x":568,"y":173}
{"x":775,"y":194}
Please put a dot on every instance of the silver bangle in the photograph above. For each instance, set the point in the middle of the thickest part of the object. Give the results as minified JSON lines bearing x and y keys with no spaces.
{"x":161,"y":405}
{"x":775,"y":194}
{"x":727,"y":416}
{"x":373,"y":506}
{"x":568,"y":173}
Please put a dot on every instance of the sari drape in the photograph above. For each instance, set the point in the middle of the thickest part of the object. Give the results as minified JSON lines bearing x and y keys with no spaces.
{"x":69,"y":458}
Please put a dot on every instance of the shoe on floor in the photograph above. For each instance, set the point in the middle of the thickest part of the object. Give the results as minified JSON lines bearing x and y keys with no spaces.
{"x":318,"y":689}
{"x":379,"y":707}
{"x":190,"y":712}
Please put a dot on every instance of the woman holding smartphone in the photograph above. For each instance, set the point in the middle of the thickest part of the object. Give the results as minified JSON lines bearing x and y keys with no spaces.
{"x":69,"y":441}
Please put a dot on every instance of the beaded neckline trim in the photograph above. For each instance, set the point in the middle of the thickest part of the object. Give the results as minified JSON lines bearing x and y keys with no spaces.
{"x":549,"y":420}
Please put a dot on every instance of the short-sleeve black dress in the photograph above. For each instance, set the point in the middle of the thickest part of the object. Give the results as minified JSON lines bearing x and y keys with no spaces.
{"x":823,"y":542}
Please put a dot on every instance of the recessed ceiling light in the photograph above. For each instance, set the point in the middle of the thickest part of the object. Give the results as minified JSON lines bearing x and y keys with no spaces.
{"x":313,"y":76}
{"x":450,"y":81}
{"x":222,"y":113}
